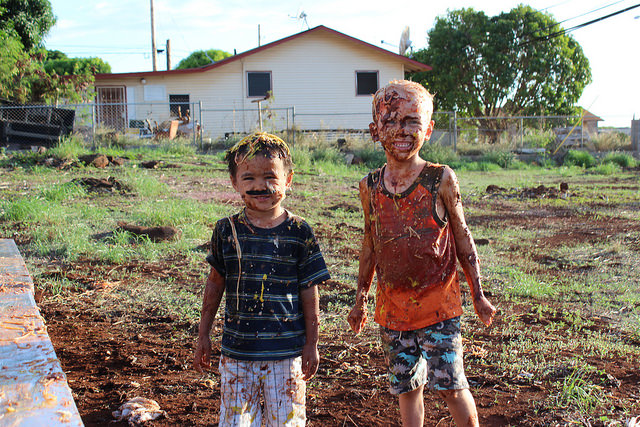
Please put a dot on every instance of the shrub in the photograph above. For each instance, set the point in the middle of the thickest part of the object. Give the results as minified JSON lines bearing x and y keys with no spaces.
{"x":69,"y":148}
{"x":538,"y":138}
{"x":621,"y":159}
{"x":504,"y":159}
{"x":610,"y":141}
{"x":477,"y":166}
{"x":437,"y":153}
{"x":607,"y":169}
{"x":579,"y":158}
{"x":372,"y":157}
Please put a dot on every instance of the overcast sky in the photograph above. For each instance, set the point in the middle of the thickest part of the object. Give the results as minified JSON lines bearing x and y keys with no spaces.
{"x":119,"y":31}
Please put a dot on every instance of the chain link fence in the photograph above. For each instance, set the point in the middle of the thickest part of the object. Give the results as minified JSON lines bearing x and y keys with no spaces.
{"x":193,"y":123}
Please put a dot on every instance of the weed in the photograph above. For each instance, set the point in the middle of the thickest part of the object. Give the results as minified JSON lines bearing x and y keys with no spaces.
{"x":608,"y":168}
{"x":621,"y":159}
{"x":610,"y":141}
{"x":437,"y":153}
{"x":534,"y":138}
{"x":69,"y":148}
{"x":504,"y":159}
{"x":577,"y":391}
{"x":579,"y":158}
{"x":61,"y":192}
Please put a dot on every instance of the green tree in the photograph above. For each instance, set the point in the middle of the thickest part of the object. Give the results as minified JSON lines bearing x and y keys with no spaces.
{"x":30,"y":19}
{"x":57,"y":62}
{"x":201,"y":58}
{"x":503,"y":65}
{"x":24,"y":78}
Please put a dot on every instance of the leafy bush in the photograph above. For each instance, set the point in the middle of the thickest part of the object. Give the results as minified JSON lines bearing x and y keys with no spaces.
{"x":621,"y":159}
{"x":538,"y":138}
{"x":477,"y":166}
{"x":607,"y":169}
{"x":610,"y":141}
{"x":579,"y":158}
{"x":327,"y":154}
{"x":504,"y":159}
{"x":372,"y":157}
{"x":437,"y":153}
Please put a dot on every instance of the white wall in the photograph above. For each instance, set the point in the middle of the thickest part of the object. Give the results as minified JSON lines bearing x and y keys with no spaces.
{"x":315,"y":72}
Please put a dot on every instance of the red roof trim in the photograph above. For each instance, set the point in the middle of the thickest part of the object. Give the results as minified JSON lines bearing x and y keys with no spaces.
{"x":404,"y":59}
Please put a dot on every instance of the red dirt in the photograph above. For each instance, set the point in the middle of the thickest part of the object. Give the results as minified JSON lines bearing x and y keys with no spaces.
{"x":110,"y":356}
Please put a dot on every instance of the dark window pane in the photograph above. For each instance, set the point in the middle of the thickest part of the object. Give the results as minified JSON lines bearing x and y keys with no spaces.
{"x":179,"y":105}
{"x":259,"y":83}
{"x":367,"y":82}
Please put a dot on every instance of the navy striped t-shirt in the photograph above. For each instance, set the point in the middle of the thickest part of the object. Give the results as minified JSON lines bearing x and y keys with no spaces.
{"x":263,"y":312}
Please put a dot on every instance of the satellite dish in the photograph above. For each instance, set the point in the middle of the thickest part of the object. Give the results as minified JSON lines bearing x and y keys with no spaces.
{"x":405,"y":43}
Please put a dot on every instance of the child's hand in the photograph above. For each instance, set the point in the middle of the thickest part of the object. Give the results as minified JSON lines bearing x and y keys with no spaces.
{"x":310,"y":361}
{"x":485,"y":310}
{"x":357,"y":318}
{"x":202,"y":358}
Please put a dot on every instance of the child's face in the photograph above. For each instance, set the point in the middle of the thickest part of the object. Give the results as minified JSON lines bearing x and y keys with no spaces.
{"x":403,"y":124}
{"x":262,"y":182}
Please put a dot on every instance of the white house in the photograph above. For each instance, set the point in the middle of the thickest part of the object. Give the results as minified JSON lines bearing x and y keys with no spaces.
{"x":318,"y":79}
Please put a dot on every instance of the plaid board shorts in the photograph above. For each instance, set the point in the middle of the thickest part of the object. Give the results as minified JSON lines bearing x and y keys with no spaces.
{"x":431,"y":356}
{"x":278,"y":383}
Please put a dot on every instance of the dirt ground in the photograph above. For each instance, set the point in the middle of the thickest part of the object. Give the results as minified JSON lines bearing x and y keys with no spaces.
{"x":112,"y":357}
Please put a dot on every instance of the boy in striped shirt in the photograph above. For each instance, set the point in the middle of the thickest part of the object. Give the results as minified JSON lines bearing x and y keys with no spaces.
{"x":268,"y":263}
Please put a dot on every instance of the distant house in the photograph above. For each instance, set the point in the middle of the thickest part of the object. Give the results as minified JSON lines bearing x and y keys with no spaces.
{"x":325,"y":76}
{"x":590,"y":123}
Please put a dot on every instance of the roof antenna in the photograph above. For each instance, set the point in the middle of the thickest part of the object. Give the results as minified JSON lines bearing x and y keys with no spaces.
{"x":301,"y":16}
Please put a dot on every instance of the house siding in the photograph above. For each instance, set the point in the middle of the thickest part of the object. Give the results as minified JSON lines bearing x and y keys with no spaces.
{"x":315,"y":74}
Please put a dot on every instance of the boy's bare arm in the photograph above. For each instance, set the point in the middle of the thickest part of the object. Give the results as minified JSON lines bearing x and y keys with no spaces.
{"x":311,"y":312}
{"x":449,"y":194}
{"x":358,"y":315}
{"x":213,"y":292}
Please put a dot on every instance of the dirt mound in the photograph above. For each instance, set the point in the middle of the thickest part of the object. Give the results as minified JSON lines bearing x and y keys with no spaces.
{"x":101,"y":161}
{"x":156,"y":234}
{"x":538,"y":192}
{"x":102,"y":185}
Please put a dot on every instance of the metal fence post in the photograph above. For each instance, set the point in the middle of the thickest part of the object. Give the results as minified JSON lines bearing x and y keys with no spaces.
{"x":293,"y":119}
{"x":455,"y":132}
{"x":521,"y":133}
{"x":93,"y":125}
{"x":288,"y":130}
{"x":195,"y":143}
{"x":201,"y":125}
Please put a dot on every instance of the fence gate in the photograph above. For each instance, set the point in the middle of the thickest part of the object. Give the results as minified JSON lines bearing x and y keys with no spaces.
{"x":112,"y":116}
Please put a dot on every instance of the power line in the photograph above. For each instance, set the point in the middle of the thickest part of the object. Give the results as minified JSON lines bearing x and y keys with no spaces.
{"x":590,"y":12}
{"x":565,"y":31}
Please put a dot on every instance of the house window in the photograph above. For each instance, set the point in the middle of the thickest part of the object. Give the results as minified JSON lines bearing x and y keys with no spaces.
{"x":366,"y":82}
{"x":258,"y":83}
{"x":179,"y":105}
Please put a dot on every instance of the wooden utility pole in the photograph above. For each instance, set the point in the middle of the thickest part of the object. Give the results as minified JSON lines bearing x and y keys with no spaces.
{"x":154,"y":53}
{"x":168,"y":54}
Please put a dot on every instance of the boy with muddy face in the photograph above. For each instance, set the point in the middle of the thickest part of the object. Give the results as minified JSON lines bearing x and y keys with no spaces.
{"x":268,"y":263}
{"x":414,"y":233}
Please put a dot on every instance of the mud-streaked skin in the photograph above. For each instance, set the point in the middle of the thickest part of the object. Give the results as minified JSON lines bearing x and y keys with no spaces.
{"x":262,"y":182}
{"x":402,"y":125}
{"x":402,"y":122}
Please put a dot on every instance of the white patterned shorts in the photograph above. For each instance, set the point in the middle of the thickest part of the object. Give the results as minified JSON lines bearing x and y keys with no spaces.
{"x":276,"y":383}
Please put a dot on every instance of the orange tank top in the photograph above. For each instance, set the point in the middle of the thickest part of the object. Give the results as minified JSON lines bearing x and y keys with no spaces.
{"x":415,"y":254}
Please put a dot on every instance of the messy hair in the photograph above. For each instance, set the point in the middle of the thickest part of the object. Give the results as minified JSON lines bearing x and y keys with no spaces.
{"x":258,"y":143}
{"x":390,"y":91}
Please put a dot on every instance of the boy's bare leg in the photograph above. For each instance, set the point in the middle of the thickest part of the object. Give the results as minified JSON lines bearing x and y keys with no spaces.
{"x":461,"y":406}
{"x":412,"y":408}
